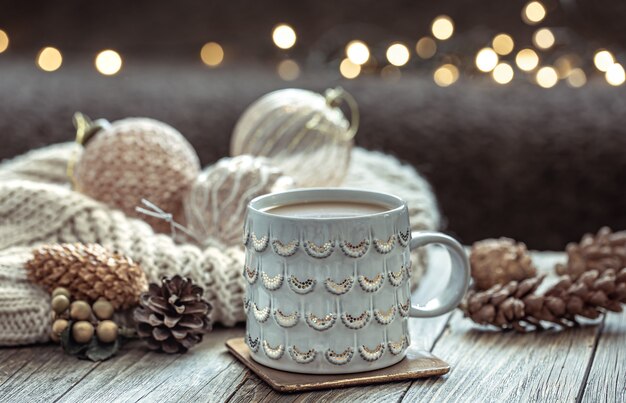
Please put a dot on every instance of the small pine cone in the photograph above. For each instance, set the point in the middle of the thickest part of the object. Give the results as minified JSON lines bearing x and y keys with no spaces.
{"x":173,"y":317}
{"x":501,"y":305}
{"x":500,"y":261}
{"x":88,"y":271}
{"x":605,"y":250}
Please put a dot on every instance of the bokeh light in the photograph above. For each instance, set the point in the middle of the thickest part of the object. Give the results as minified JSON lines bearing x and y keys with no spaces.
{"x":348,"y":69}
{"x":615,"y":75}
{"x":108,"y":62}
{"x":4,"y":41}
{"x":284,"y":36}
{"x":563,"y":66}
{"x":288,"y":70}
{"x":426,"y":47}
{"x":442,"y":27}
{"x":446,"y":75}
{"x":527,"y":59}
{"x":603,"y":59}
{"x":503,"y":44}
{"x":357,"y":52}
{"x":486,"y":59}
{"x":543,"y":38}
{"x":547,"y":77}
{"x":533,"y":13}
{"x":576,"y":78}
{"x":503,"y":73}
{"x":49,"y":59}
{"x":398,"y":54}
{"x":212,"y":54}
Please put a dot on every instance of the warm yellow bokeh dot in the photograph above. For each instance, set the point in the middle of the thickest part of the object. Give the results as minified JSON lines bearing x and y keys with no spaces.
{"x":527,"y":59}
{"x":547,"y":77}
{"x":398,"y":54}
{"x":4,"y":41}
{"x":49,"y":59}
{"x":615,"y":75}
{"x":563,"y":66}
{"x":284,"y":36}
{"x":426,"y":47}
{"x":288,"y":70}
{"x":576,"y":78}
{"x":348,"y":69}
{"x":212,"y":54}
{"x":603,"y":59}
{"x":486,"y":59}
{"x":446,"y":75}
{"x":543,"y":38}
{"x":533,"y":12}
{"x":357,"y":52}
{"x":503,"y":73}
{"x":503,"y":44}
{"x":108,"y":62}
{"x":442,"y":27}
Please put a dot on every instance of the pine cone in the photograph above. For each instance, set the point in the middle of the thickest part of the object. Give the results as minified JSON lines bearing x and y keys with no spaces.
{"x":606,"y":250}
{"x":499,"y":261}
{"x":173,"y":317}
{"x":516,"y":305}
{"x":88,"y":271}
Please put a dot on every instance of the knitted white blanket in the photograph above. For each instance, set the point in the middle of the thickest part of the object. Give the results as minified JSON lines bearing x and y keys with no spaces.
{"x":37,"y":206}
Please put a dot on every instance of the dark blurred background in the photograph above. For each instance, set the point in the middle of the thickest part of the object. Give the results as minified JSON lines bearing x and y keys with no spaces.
{"x":506,"y":156}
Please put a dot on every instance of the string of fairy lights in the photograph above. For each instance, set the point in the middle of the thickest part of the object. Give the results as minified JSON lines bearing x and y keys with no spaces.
{"x":499,"y":59}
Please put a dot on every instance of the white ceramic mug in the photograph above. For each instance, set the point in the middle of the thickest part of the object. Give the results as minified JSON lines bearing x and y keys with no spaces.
{"x":332,"y":295}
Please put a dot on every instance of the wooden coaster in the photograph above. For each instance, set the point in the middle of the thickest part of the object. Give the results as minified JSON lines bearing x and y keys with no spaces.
{"x":416,"y":364}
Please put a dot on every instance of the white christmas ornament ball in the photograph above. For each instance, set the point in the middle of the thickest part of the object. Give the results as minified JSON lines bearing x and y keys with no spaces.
{"x":303,"y":133}
{"x":216,"y":204}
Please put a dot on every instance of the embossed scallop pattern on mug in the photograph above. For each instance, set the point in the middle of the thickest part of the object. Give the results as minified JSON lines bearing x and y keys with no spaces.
{"x":272,"y":283}
{"x":355,"y":251}
{"x":404,"y":308}
{"x":246,"y":304}
{"x":320,"y":323}
{"x":385,"y":317}
{"x":285,"y":249}
{"x":302,"y":357}
{"x":319,"y":251}
{"x":275,"y":353}
{"x":260,"y":314}
{"x":301,"y":287}
{"x":250,"y":274}
{"x":395,"y":278}
{"x":371,"y":284}
{"x":339,"y":358}
{"x":372,"y":354}
{"x":385,"y":247}
{"x":259,"y":244}
{"x":404,"y":237}
{"x":286,"y":320}
{"x":356,"y":322}
{"x":396,"y":347}
{"x":339,"y":288}
{"x":253,"y":343}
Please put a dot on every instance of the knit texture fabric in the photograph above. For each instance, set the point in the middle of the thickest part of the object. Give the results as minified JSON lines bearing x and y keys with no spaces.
{"x":37,"y":206}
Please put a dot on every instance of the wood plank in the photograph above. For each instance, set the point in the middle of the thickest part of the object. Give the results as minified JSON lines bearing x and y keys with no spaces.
{"x":44,"y":375}
{"x":607,"y":376}
{"x":138,"y":374}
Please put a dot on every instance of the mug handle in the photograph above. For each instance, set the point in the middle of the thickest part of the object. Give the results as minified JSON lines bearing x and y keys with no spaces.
{"x":459,"y":279}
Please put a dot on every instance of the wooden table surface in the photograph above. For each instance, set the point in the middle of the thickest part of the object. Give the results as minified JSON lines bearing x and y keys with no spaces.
{"x":585,"y":364}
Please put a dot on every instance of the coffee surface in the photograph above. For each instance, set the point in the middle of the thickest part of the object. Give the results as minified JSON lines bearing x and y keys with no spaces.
{"x":330,"y":209}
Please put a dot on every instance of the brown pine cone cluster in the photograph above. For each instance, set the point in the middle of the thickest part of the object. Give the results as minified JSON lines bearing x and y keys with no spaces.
{"x":605,"y":250}
{"x":516,"y":305}
{"x":499,"y":261}
{"x":89,"y":272}
{"x":173,"y":317}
